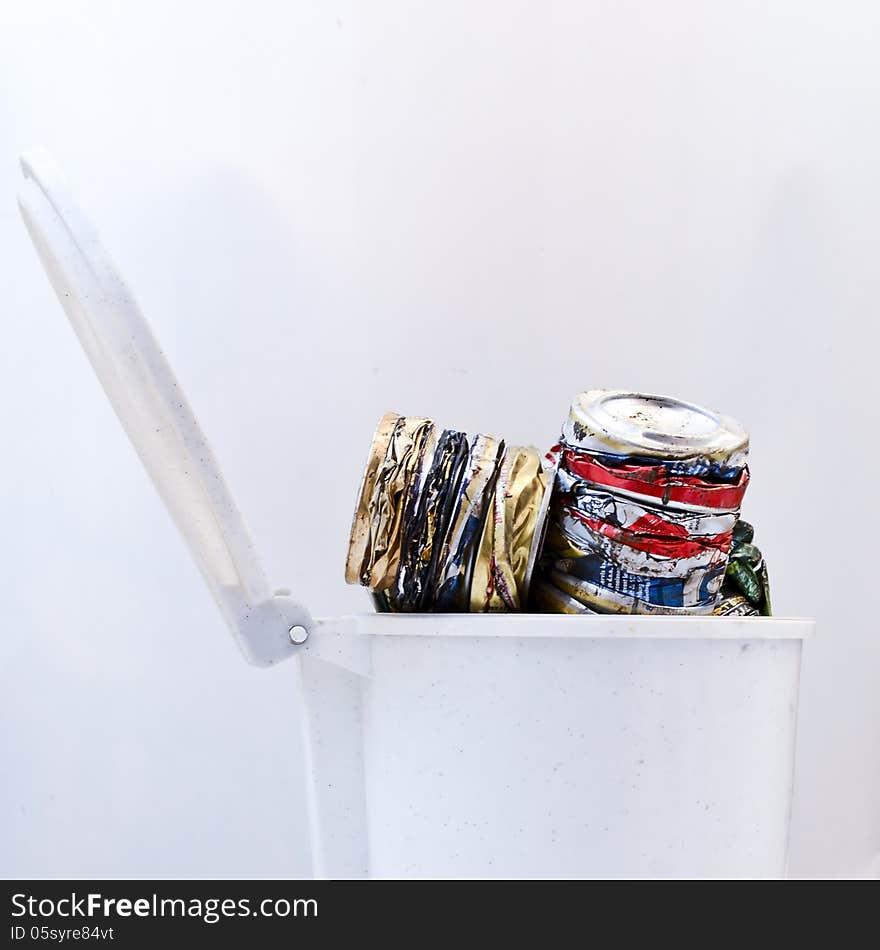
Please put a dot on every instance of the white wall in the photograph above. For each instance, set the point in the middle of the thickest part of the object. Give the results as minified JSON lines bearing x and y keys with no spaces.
{"x":470,"y":210}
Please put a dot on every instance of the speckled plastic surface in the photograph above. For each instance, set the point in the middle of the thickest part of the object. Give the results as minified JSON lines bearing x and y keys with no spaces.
{"x":560,"y":747}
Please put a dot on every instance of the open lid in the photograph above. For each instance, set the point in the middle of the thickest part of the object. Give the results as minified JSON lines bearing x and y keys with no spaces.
{"x":156,"y":415}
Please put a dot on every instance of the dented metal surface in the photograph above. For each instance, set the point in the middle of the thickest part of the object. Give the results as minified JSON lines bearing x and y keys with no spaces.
{"x":426,"y":531}
{"x":624,"y":423}
{"x":445,"y":522}
{"x":501,"y":571}
{"x":472,"y":507}
{"x":645,"y":503}
{"x":392,"y":497}
{"x":635,"y":510}
{"x":359,"y":539}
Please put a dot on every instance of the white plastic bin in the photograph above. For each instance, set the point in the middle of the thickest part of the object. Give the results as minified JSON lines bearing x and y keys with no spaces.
{"x":502,"y":745}
{"x":555,"y":746}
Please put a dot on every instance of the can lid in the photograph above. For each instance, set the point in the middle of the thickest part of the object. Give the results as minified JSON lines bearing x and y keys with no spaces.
{"x":627,"y":423}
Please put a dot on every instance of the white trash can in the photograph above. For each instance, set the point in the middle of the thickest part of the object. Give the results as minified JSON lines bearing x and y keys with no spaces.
{"x":553,"y":746}
{"x":467,"y":745}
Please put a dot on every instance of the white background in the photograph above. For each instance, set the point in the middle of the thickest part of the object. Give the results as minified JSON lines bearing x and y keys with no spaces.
{"x":467,"y":210}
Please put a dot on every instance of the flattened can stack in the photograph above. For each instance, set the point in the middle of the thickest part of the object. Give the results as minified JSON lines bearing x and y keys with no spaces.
{"x":446,"y":522}
{"x":646,"y":496}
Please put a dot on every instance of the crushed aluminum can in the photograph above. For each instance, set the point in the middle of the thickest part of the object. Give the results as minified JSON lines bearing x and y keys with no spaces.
{"x":392,"y":498}
{"x":426,"y":531}
{"x":700,"y":468}
{"x":639,"y":503}
{"x":746,"y":552}
{"x":426,"y":516}
{"x":633,"y":424}
{"x":638,"y":553}
{"x":632,"y":595}
{"x":359,"y":538}
{"x":735,"y":605}
{"x":473,"y":503}
{"x":644,"y":556}
{"x":646,"y":498}
{"x":550,"y":466}
{"x":751,"y":578}
{"x":509,"y":545}
{"x":381,"y":601}
{"x":743,"y":533}
{"x":547,"y":599}
{"x":668,"y":533}
{"x":746,"y":579}
{"x":655,"y":484}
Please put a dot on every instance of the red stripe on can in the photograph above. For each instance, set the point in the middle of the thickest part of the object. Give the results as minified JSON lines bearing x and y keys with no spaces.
{"x":666,"y":544}
{"x":656,"y":482}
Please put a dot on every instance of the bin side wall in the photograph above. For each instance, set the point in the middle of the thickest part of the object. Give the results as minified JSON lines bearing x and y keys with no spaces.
{"x":579,"y":758}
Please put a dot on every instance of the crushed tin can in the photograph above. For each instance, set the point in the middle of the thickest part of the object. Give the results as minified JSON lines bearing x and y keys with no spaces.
{"x":632,"y":425}
{"x":473,"y":505}
{"x":746,"y":576}
{"x":551,"y":600}
{"x":735,"y":605}
{"x":512,"y":533}
{"x":646,"y":498}
{"x":635,"y":510}
{"x":426,"y":531}
{"x":445,"y":522}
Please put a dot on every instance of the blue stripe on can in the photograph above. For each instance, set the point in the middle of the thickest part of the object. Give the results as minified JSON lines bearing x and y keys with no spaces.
{"x":656,"y":591}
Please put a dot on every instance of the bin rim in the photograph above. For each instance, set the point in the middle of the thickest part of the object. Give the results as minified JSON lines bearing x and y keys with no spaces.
{"x":563,"y":626}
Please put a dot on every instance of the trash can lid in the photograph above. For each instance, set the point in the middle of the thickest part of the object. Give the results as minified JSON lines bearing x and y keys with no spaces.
{"x":155,"y":413}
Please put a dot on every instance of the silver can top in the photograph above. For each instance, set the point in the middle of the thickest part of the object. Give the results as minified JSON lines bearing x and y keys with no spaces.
{"x":625,"y":423}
